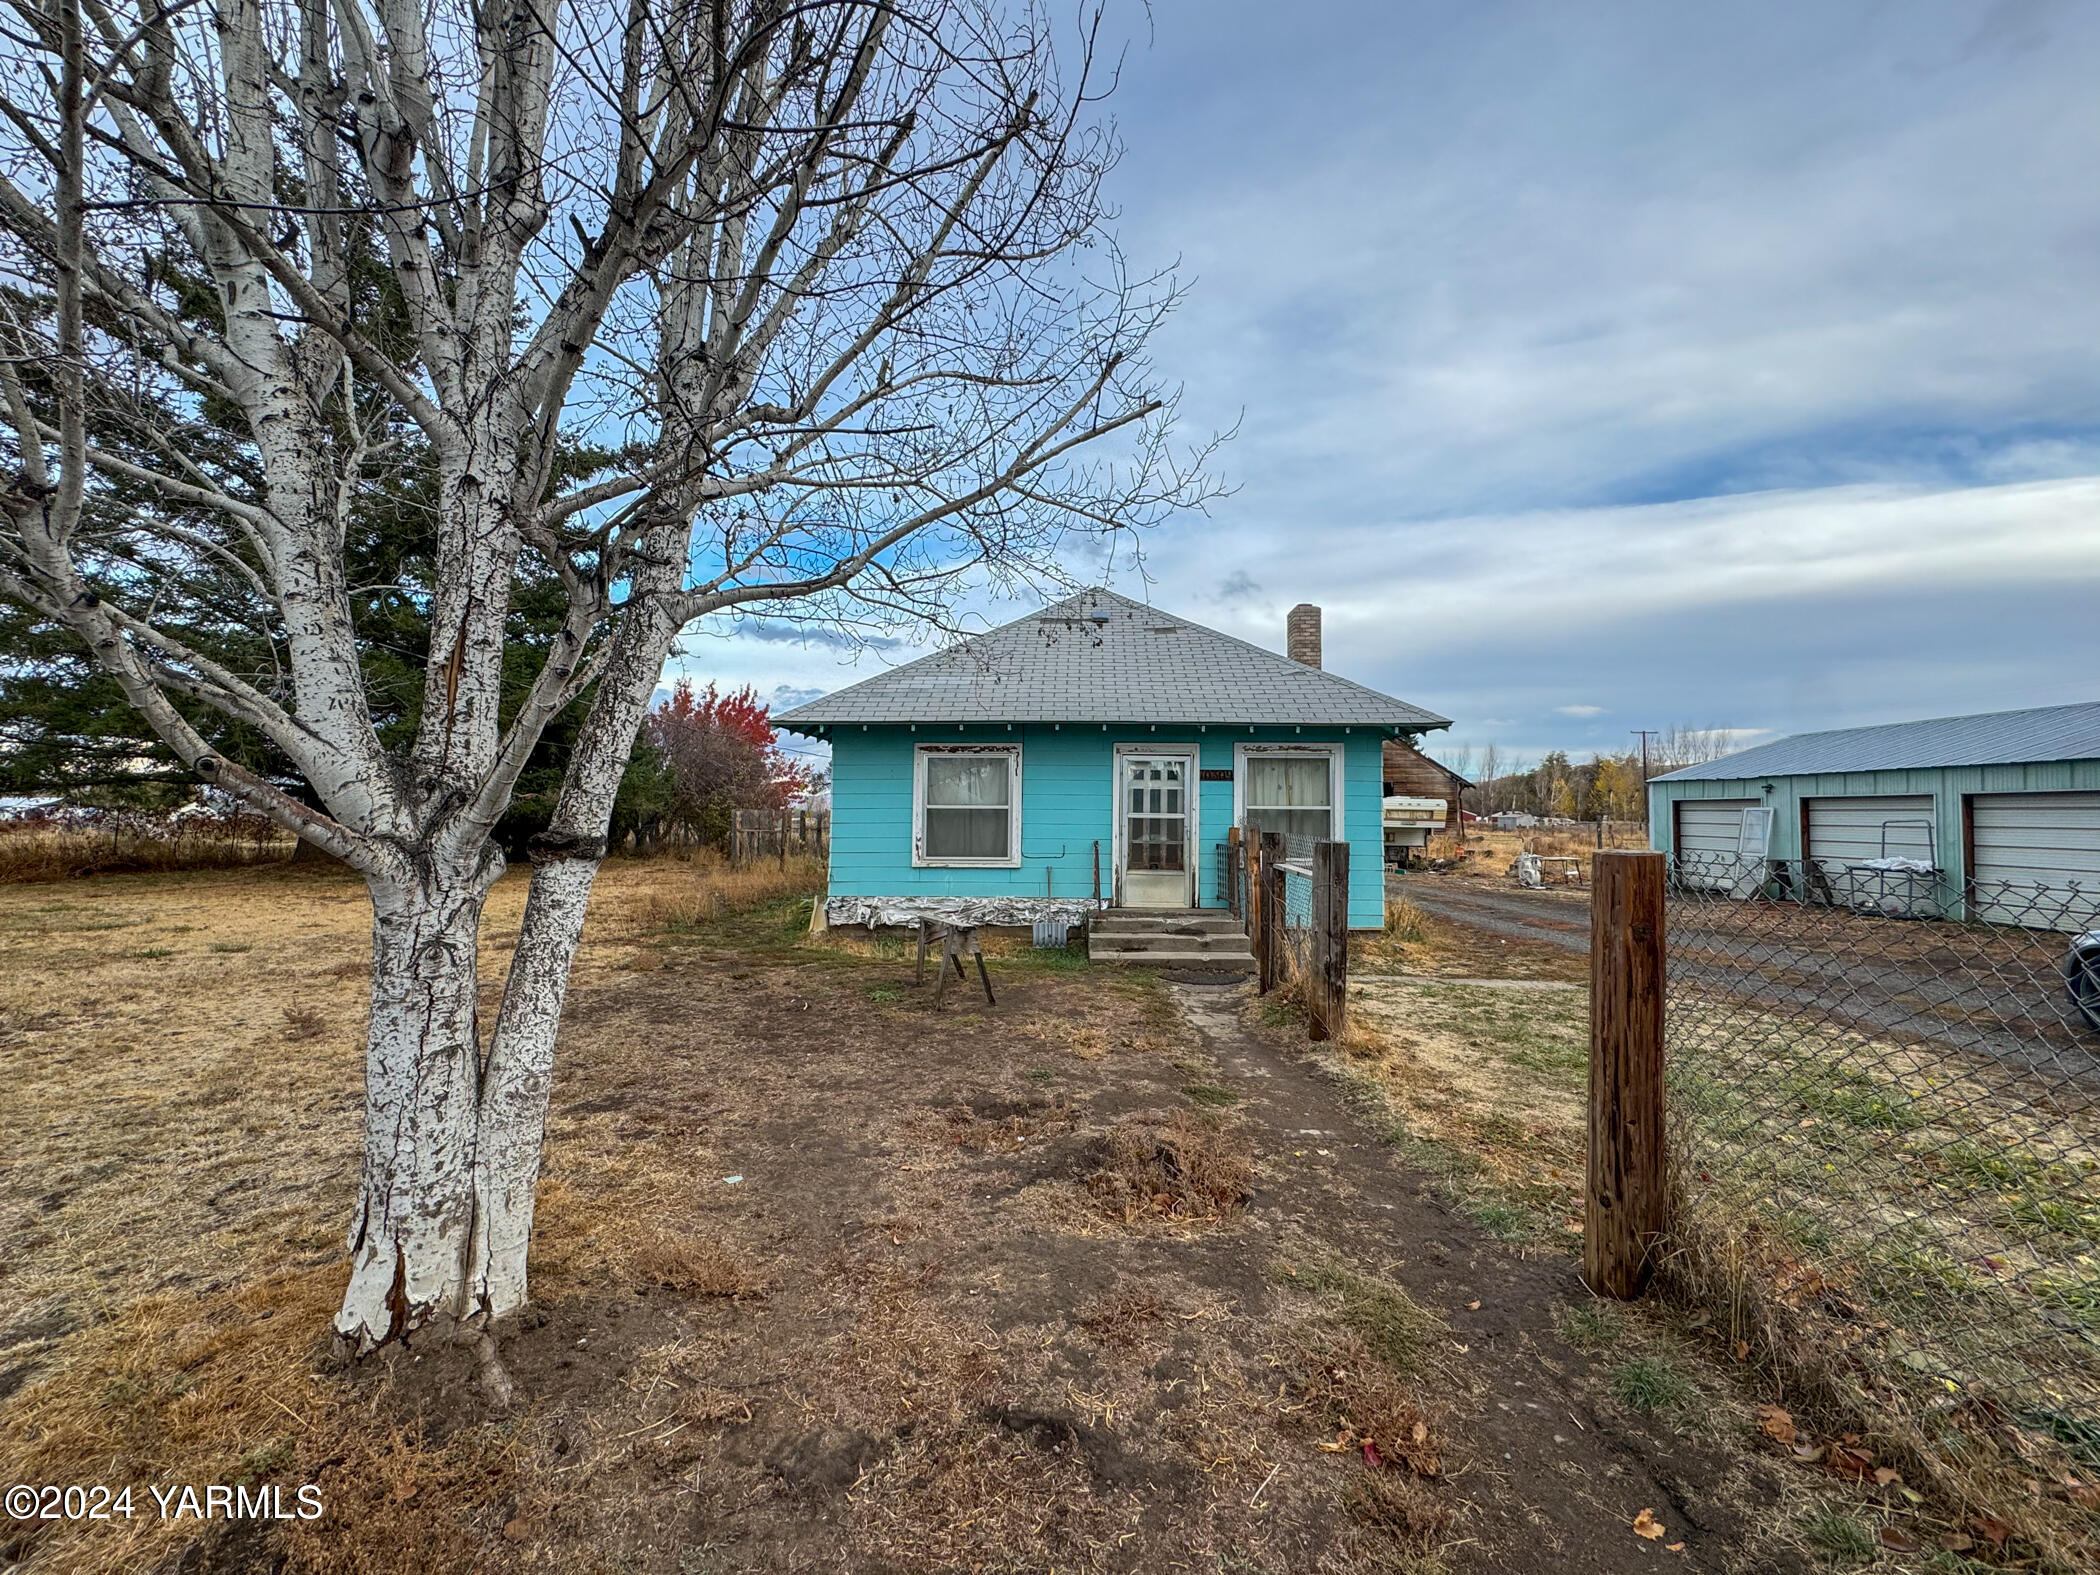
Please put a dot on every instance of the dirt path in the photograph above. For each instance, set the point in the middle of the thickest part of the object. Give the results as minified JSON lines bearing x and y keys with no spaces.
{"x":1561,"y":1476}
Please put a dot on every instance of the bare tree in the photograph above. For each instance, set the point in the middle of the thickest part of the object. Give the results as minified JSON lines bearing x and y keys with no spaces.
{"x":1490,"y":771}
{"x":1682,"y":745}
{"x":799,"y":309}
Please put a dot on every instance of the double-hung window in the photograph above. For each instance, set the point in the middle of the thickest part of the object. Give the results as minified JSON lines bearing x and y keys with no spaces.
{"x":1293,"y":794}
{"x":967,"y":804}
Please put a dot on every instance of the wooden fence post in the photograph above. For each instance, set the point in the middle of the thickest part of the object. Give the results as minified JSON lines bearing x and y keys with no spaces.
{"x":1234,"y":862}
{"x":1628,"y":1196}
{"x":1328,"y":992}
{"x":1268,"y":949}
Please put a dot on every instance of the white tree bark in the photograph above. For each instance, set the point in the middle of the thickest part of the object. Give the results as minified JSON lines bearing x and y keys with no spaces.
{"x":706,"y":306}
{"x":417,"y":1206}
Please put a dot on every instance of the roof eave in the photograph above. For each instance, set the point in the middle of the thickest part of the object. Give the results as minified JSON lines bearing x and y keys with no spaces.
{"x":796,"y":722}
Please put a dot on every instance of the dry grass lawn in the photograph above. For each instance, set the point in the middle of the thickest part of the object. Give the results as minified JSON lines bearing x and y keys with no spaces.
{"x":821,"y":1280}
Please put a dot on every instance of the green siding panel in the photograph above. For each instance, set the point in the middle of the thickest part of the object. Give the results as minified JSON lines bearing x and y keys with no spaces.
{"x":1949,"y":786}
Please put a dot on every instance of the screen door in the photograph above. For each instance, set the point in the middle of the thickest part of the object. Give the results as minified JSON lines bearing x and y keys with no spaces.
{"x":1157,"y":869}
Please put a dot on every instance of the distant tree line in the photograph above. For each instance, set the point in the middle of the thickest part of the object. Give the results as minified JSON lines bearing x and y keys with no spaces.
{"x":1604,"y":787}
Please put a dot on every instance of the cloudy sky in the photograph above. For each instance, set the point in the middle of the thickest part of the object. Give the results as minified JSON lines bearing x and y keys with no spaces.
{"x":1623,"y":364}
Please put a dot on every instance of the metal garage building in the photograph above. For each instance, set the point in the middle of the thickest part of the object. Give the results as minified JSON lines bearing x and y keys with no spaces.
{"x":1992,"y":817}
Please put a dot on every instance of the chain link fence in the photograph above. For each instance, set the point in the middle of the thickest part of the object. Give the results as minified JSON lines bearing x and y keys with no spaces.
{"x":1297,"y":911}
{"x":1884,"y":1096}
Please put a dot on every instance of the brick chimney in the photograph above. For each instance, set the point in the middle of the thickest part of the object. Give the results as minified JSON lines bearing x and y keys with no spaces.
{"x":1302,"y":635}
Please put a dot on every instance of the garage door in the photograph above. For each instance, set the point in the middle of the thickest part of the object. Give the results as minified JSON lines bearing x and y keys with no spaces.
{"x":1709,"y":835}
{"x":2037,"y":859}
{"x":1846,"y":834}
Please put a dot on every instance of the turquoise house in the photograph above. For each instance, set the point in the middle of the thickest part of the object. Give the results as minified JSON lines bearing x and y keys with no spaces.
{"x":1094,"y":755}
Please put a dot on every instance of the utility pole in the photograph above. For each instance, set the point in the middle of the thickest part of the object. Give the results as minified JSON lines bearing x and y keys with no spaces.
{"x":1646,"y":733}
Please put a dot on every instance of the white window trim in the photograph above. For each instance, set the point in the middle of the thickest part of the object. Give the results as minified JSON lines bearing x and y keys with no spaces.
{"x":1336,"y":756}
{"x":919,"y":857}
{"x":1192,"y":803}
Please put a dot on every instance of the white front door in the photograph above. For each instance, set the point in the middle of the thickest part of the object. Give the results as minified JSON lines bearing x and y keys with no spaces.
{"x":1155,"y":869}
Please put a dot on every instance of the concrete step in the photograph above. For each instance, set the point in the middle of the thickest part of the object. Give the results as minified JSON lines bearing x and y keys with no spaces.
{"x":1169,"y":940}
{"x":1215,"y":962}
{"x":1138,"y":921}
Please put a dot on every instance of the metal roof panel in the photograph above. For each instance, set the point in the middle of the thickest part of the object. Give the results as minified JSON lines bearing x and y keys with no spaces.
{"x":1100,"y":657}
{"x":1995,"y":738}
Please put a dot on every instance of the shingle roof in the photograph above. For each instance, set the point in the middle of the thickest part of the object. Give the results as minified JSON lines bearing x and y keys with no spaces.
{"x":2053,"y":732}
{"x":1100,"y":657}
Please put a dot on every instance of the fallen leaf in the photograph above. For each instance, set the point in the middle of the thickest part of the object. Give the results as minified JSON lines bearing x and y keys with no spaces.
{"x":1674,"y":1547}
{"x":1371,"y":1455}
{"x":1956,"y":1542}
{"x":1849,"y":1460}
{"x":2083,"y":1494}
{"x":1472,"y":1307}
{"x":1776,"y":1422}
{"x":1742,"y":1350}
{"x":1884,"y":1475}
{"x":1991,"y":1529}
{"x":1646,"y":1525}
{"x":1420,"y":1433}
{"x":1897,"y":1540}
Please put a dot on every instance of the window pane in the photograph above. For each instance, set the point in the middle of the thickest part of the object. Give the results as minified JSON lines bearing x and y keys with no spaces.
{"x":1317,"y":824}
{"x":1287,"y":783}
{"x":1157,"y":844}
{"x":966,"y":833}
{"x":966,"y":780}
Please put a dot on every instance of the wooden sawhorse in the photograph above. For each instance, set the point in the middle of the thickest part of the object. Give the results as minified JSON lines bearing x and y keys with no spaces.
{"x":957,"y":942}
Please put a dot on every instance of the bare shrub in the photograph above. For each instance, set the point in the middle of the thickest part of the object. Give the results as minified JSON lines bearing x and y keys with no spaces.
{"x":304,"y":1022}
{"x":1180,"y":1168}
{"x":1404,"y":921}
{"x":1124,"y":1315}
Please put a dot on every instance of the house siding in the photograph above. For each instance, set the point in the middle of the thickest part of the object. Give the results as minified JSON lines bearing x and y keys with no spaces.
{"x":1067,"y":788}
{"x":1948,"y":786}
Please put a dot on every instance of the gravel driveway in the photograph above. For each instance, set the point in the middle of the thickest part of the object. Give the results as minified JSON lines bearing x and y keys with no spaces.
{"x":1994,"y":994}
